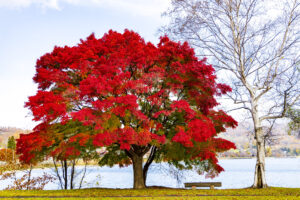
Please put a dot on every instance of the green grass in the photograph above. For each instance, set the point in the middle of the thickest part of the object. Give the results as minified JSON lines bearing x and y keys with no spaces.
{"x":171,"y":198}
{"x":160,"y":194}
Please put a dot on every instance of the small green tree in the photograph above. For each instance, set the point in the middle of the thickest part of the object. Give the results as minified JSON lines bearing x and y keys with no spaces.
{"x":294,"y":125}
{"x":11,"y":144}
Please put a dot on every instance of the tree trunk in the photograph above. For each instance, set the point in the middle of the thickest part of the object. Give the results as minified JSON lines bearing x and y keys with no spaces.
{"x":138,"y":178}
{"x":66,"y":174}
{"x":148,"y":163}
{"x":259,"y":176}
{"x":72,"y":174}
{"x":84,"y":172}
{"x":57,"y":173}
{"x":29,"y":177}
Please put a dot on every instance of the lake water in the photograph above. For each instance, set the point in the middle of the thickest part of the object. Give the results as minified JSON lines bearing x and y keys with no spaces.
{"x":239,"y":173}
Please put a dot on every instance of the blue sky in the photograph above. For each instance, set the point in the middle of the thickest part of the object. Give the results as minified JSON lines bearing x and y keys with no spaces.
{"x":31,"y":28}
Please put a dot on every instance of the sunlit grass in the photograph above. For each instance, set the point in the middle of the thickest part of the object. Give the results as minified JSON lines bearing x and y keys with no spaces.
{"x":218,"y":194}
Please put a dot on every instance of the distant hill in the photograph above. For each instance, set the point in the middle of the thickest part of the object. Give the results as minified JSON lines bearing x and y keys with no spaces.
{"x":280,"y":144}
{"x":8,"y":129}
{"x":6,"y":132}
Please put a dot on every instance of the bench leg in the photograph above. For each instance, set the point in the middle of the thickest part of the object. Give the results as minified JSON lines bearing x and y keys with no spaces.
{"x":212,"y":187}
{"x":193,"y":187}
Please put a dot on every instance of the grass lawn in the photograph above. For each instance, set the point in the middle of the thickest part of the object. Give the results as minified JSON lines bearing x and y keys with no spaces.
{"x":230,"y":194}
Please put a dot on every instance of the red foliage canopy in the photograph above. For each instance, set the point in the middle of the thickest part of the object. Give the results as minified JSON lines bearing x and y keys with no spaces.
{"x":131,"y":94}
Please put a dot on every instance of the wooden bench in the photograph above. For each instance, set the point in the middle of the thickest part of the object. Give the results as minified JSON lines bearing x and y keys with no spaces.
{"x":212,"y":185}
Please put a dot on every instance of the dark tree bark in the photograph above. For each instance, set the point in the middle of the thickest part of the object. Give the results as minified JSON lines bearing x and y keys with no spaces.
{"x":57,"y":174}
{"x":65,"y":173}
{"x":138,"y":178}
{"x":72,"y":175}
{"x":84,"y":172}
{"x":149,"y":162}
{"x":136,"y":154}
{"x":29,"y":177}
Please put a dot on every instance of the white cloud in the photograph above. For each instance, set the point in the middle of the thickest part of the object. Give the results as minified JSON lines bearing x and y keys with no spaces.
{"x":135,"y":7}
{"x":26,"y":3}
{"x":15,"y":3}
{"x":141,"y":7}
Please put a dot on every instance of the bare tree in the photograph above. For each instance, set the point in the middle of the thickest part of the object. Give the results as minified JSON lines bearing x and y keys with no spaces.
{"x":254,"y":45}
{"x":67,"y":174}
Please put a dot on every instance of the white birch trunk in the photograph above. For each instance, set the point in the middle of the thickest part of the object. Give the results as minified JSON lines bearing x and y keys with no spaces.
{"x":259,"y":176}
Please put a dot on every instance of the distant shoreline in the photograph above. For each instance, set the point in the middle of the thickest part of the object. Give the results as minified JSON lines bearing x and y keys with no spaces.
{"x":227,"y":158}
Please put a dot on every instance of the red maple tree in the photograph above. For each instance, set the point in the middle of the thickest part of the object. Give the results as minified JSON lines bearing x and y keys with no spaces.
{"x":135,"y":99}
